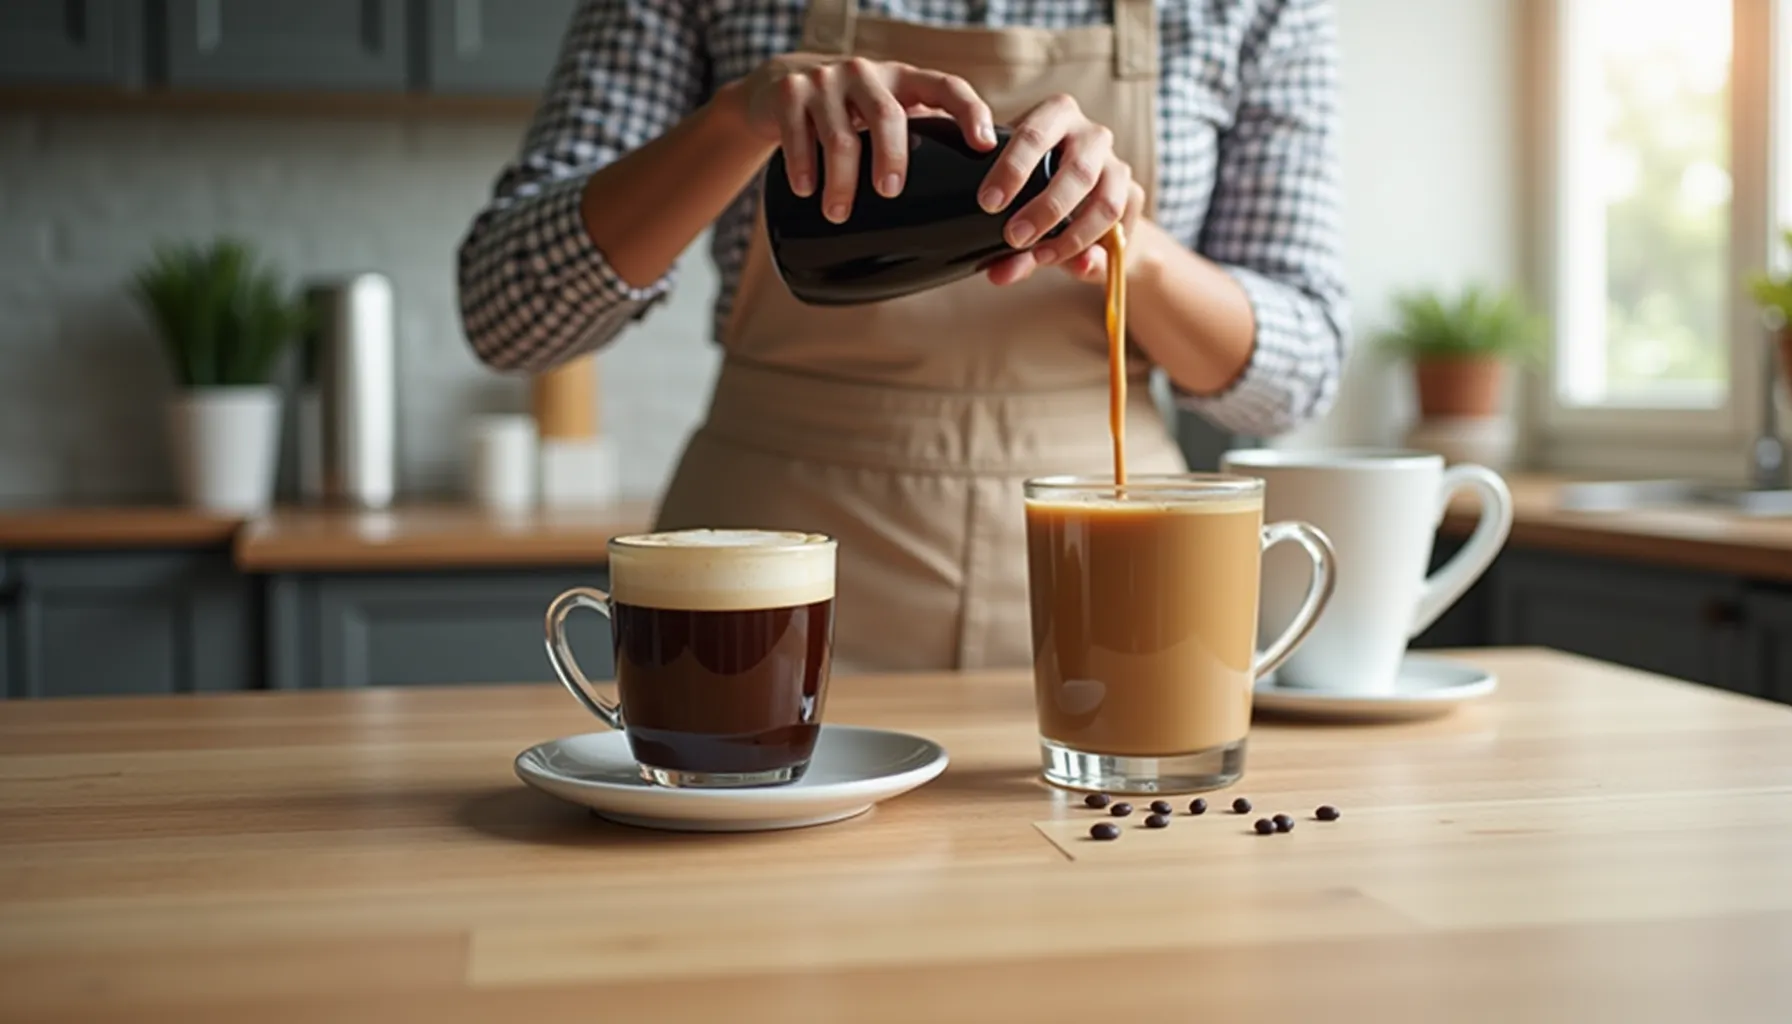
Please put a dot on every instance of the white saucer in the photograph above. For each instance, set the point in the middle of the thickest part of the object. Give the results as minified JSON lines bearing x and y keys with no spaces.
{"x":1426,"y":688}
{"x":853,"y":768}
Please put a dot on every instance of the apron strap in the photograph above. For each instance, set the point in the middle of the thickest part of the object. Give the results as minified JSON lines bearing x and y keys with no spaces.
{"x":1135,"y":39}
{"x":828,"y":26}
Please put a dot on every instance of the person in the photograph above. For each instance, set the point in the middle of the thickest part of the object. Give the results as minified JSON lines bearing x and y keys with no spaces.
{"x":905,"y":428}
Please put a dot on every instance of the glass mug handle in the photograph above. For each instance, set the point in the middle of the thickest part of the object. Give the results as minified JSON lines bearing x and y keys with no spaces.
{"x":560,"y":652}
{"x":1319,"y":590}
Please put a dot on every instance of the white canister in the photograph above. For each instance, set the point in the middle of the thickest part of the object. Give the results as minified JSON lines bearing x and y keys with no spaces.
{"x":579,"y":472}
{"x":504,"y":461}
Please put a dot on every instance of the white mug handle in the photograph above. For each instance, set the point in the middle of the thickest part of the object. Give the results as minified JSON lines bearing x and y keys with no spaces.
{"x":1453,"y":578}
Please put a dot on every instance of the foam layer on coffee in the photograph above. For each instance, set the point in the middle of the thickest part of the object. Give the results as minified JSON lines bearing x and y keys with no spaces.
{"x":722,"y":570}
{"x":1146,"y":504}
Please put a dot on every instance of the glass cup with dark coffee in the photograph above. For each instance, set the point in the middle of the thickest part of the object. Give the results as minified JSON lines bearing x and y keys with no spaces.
{"x":1144,"y":614}
{"x":723,"y":642}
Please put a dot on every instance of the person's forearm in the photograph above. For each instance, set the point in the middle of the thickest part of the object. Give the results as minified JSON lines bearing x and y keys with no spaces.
{"x":646,"y":208}
{"x":1191,"y":317}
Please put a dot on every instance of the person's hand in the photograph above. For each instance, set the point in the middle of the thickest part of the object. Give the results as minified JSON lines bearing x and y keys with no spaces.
{"x":801,"y":100}
{"x":1092,"y":187}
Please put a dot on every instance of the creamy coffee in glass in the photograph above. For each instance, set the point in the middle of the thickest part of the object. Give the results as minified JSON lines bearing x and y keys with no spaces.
{"x":1144,"y":615}
{"x":723,"y":642}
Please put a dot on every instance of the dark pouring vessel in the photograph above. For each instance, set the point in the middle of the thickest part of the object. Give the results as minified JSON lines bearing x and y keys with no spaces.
{"x":930,"y":234}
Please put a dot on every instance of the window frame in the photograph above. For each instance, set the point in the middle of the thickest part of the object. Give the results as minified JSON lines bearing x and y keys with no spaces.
{"x":1660,"y":439}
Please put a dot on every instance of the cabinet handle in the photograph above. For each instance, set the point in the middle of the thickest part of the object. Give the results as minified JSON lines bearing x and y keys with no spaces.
{"x":373,"y":24}
{"x":469,"y":28}
{"x":74,"y":20}
{"x":208,"y":24}
{"x":1723,"y":612}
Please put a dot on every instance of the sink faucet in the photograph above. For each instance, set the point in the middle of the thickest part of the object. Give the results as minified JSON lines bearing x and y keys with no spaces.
{"x":1768,"y":465}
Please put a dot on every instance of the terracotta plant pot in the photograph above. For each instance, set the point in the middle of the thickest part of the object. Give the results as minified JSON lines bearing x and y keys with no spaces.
{"x":1465,"y":387}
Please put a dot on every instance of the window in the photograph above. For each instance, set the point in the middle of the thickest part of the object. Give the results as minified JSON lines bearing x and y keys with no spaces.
{"x":1663,"y":151}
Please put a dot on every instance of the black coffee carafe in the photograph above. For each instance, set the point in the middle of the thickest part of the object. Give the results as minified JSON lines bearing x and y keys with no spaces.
{"x":931,"y":233}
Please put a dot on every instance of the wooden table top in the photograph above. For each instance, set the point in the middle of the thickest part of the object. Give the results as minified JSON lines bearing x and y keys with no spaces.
{"x":1591,"y":843}
{"x":434,"y":537}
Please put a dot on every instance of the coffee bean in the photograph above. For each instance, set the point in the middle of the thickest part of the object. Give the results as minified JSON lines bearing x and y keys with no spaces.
{"x":1162,"y":806}
{"x":1197,"y":806}
{"x":1097,"y":800}
{"x":1264,"y":826}
{"x":1241,"y":806}
{"x":1104,"y":830}
{"x":1283,"y":823}
{"x":1158,"y":821}
{"x":1326,"y":812}
{"x":1120,"y":810}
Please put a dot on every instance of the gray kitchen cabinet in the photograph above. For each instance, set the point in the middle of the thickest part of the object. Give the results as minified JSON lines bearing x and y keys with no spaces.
{"x":424,"y":628}
{"x":1769,"y":633}
{"x":89,"y":623}
{"x":290,"y":45}
{"x":1687,"y":625}
{"x":489,"y":48}
{"x":71,"y":42}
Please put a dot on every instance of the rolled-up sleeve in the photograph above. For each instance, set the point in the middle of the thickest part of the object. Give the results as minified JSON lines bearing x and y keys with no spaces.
{"x":1273,"y":224}
{"x":534,"y":289}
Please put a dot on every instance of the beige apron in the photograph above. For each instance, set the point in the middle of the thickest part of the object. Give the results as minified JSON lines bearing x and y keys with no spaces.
{"x":905,"y":428}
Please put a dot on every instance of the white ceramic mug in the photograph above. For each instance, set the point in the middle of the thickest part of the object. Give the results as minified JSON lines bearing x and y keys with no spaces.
{"x":1381,"y":509}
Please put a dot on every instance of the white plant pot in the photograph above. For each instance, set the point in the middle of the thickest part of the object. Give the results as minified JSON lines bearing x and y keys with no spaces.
{"x":226,"y":445}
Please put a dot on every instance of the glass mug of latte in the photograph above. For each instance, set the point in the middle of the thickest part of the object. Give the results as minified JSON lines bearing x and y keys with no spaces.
{"x":1144,"y":614}
{"x":723,"y":641}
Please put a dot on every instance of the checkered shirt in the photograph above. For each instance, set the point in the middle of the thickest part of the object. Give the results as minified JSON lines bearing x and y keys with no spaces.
{"x":1247,"y":175}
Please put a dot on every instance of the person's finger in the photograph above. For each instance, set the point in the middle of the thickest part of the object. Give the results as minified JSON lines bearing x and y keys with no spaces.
{"x":1102,"y":209}
{"x":1012,"y":269}
{"x":839,"y":144}
{"x":1036,"y":133}
{"x":951,"y":95}
{"x":1089,"y":265}
{"x":886,"y":121}
{"x":794,"y":135}
{"x":1081,"y":187}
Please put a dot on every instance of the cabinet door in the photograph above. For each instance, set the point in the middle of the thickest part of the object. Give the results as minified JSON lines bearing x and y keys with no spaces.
{"x":425,"y":629}
{"x":107,"y":623}
{"x":1681,"y":624}
{"x":491,"y":48}
{"x":1769,"y":630}
{"x":317,"y":45}
{"x":71,"y":42}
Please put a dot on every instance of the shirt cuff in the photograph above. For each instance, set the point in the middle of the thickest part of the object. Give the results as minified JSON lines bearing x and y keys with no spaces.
{"x":1282,"y":383}
{"x":571,"y":268}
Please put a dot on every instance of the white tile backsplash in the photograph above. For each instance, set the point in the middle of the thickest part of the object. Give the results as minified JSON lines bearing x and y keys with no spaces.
{"x":84,"y":196}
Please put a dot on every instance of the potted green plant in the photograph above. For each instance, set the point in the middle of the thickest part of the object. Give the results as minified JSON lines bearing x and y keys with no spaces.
{"x":1461,"y":347}
{"x":1773,"y":293}
{"x":224,"y":320}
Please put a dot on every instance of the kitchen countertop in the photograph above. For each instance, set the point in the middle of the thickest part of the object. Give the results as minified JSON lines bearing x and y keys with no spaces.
{"x":1590,"y":842}
{"x":124,"y":526}
{"x":423,"y":537}
{"x":1712,"y":540}
{"x":447,"y":536}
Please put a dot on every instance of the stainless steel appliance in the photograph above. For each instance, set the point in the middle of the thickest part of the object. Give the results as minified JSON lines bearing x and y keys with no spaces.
{"x":348,"y":421}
